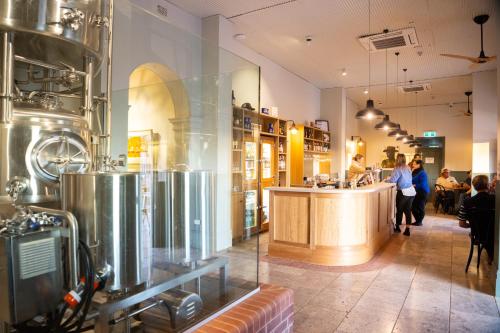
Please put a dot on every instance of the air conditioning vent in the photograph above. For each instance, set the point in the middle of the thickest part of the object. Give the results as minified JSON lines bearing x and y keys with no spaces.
{"x":395,"y":39}
{"x":415,"y":88}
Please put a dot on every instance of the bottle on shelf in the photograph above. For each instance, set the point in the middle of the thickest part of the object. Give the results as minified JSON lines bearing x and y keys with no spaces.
{"x":281,"y":148}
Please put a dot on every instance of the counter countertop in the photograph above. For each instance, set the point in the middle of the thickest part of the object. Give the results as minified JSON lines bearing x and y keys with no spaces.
{"x":364,"y":189}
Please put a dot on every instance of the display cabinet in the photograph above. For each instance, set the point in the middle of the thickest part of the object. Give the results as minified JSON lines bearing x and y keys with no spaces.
{"x":264,"y":161}
{"x":310,"y":153}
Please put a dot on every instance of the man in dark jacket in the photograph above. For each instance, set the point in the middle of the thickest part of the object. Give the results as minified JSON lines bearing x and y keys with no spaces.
{"x":482,"y":201}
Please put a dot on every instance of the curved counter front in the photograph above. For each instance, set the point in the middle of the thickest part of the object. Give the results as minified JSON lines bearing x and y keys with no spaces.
{"x":330,"y":227}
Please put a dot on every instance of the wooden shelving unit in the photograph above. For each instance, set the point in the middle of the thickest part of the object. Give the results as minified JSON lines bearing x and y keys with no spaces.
{"x":309,"y":141}
{"x":250,"y":126}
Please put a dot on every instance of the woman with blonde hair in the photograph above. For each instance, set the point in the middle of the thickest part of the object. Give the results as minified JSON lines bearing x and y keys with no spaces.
{"x":401,"y":176}
{"x":356,"y":169}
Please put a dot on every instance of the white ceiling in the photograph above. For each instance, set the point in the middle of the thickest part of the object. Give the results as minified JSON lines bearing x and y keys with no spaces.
{"x":442,"y":92}
{"x":278,"y":32}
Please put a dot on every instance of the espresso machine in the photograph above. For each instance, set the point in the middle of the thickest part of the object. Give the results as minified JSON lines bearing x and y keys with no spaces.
{"x":73,"y":226}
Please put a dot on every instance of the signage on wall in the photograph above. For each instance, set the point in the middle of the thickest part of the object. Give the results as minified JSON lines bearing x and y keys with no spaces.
{"x":429,"y":160}
{"x":430,"y":134}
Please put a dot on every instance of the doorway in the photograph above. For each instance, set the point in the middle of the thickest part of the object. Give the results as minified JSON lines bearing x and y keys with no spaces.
{"x":432,"y":152}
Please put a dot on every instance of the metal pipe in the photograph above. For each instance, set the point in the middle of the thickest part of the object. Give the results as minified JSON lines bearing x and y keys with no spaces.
{"x":72,"y":225}
{"x":52,"y":93}
{"x":136,"y":312}
{"x":88,"y":91}
{"x":7,"y":72}
{"x":109,"y":82}
{"x":46,"y":65}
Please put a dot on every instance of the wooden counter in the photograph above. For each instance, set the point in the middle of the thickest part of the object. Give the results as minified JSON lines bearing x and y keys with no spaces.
{"x":330,"y":227}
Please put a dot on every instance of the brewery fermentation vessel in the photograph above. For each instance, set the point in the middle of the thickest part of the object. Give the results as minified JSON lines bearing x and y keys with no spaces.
{"x":108,"y":209}
{"x":184,"y":215}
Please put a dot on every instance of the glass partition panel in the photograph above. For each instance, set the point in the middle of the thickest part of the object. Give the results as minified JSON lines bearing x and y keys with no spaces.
{"x":173,"y":117}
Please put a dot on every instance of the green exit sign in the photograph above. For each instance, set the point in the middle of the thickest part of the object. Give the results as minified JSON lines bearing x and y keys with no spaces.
{"x":430,"y":134}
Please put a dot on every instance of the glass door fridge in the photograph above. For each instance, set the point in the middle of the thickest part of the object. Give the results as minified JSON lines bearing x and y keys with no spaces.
{"x":267,"y":176}
{"x":251,"y":184}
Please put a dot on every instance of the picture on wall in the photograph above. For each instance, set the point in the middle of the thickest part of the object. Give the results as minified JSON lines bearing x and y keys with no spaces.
{"x":322,"y":124}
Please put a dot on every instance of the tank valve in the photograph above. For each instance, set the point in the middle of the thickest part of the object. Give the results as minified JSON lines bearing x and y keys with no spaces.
{"x":15,"y":187}
{"x":73,"y":18}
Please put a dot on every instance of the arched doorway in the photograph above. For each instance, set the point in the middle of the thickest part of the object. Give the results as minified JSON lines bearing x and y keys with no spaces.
{"x":156,"y":97}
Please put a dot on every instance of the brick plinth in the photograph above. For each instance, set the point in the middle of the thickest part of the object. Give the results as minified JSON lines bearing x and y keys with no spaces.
{"x":269,"y":311}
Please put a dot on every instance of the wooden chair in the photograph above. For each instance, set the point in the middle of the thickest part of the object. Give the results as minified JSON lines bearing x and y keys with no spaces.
{"x":482,"y":226}
{"x":441,"y":199}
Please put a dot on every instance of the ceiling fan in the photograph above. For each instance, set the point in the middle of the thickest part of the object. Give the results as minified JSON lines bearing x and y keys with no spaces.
{"x":467,"y":113}
{"x":480,"y":19}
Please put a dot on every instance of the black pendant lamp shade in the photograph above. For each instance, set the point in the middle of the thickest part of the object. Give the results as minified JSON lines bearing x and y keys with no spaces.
{"x":370,"y":112}
{"x":415,"y":144}
{"x":404,"y":135}
{"x":408,"y":139}
{"x":396,"y":133}
{"x":386,"y":124}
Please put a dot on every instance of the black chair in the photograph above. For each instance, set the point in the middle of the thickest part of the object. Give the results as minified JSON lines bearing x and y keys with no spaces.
{"x":442,"y":199}
{"x":482,"y":229}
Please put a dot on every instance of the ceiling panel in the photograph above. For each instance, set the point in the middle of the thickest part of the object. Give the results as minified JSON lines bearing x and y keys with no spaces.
{"x":226,"y":8}
{"x":443,"y":26}
{"x":443,"y":92}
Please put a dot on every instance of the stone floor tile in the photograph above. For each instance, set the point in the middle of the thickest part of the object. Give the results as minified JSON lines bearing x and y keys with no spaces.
{"x":472,"y":322}
{"x":411,"y":320}
{"x":473,"y":302}
{"x":317,"y":319}
{"x":362,"y":321}
{"x":342,"y":301}
{"x":437,"y":301}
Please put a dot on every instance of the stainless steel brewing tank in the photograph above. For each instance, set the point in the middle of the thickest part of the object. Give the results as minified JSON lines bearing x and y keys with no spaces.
{"x":36,"y":146}
{"x":55,"y":31}
{"x":108,"y":209}
{"x":183,"y":219}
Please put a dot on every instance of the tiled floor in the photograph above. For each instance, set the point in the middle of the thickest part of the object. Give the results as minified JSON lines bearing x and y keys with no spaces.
{"x":419,"y":285}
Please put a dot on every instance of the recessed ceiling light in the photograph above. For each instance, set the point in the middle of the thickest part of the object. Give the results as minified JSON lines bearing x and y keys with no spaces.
{"x":344,"y":72}
{"x":365,"y":92}
{"x":240,"y":36}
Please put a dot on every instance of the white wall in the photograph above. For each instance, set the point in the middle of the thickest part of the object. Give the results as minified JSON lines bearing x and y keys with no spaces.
{"x":175,"y":16}
{"x":456,"y":130}
{"x":352,"y":124}
{"x":334,"y":109}
{"x":484,"y":114}
{"x":296,"y":98}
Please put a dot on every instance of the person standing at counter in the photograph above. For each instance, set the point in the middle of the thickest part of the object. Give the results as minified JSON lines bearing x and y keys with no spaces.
{"x":421,"y":183}
{"x":356,"y":169}
{"x":401,"y":176}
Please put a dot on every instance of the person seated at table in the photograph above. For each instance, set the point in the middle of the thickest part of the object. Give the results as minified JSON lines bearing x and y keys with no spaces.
{"x":467,"y":183}
{"x":449,"y":184}
{"x":447,"y":181}
{"x":483,"y":200}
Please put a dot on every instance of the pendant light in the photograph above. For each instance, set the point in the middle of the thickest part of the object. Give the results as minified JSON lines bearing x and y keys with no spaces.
{"x":404,"y":137}
{"x":369,"y":112}
{"x":408,"y":139}
{"x":396,"y":133}
{"x":386,"y":124}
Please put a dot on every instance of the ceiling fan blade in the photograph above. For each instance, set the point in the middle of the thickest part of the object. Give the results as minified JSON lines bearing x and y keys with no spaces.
{"x":491,"y":58}
{"x":456,"y":56}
